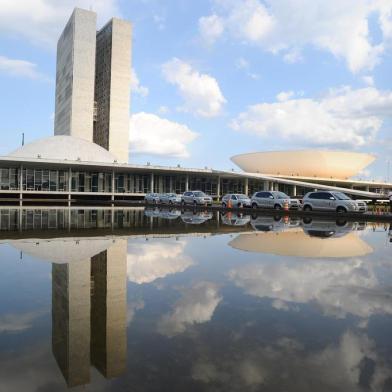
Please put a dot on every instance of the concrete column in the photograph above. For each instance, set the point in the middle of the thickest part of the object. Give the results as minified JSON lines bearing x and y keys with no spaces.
{"x":113,"y":190}
{"x":171,"y":184}
{"x":246,"y":186}
{"x":294,"y":190}
{"x":187,"y":182}
{"x":20,"y":179}
{"x":69,"y":186}
{"x":218,"y":189}
{"x":152,"y":183}
{"x":271,"y":186}
{"x":265,"y":185}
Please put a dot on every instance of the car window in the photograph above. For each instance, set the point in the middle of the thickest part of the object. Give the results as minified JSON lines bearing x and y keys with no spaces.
{"x":187,"y":193}
{"x":325,"y":196}
{"x":199,"y":194}
{"x":233,"y":197}
{"x":242,"y":196}
{"x":341,"y":196}
{"x":314,"y":196}
{"x":281,"y":195}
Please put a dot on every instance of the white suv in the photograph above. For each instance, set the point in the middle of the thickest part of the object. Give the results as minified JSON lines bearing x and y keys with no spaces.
{"x":196,"y":198}
{"x":273,"y":199}
{"x":332,"y":201}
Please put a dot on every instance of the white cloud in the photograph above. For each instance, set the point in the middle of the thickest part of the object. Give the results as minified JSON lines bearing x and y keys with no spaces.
{"x":163,"y":109}
{"x":136,"y":87}
{"x":284,"y":96}
{"x":151,"y":260}
{"x":242,"y":63}
{"x":201,"y":92}
{"x":151,"y":134}
{"x":211,"y":28}
{"x":343,"y":117}
{"x":293,"y":56}
{"x":41,"y":21}
{"x":21,"y":68}
{"x":196,"y":306}
{"x":287,"y":26}
{"x":368,"y":80}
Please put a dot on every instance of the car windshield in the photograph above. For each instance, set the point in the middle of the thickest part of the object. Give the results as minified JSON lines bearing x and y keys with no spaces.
{"x":281,"y":195}
{"x":341,"y":196}
{"x":242,"y":196}
{"x":199,"y":194}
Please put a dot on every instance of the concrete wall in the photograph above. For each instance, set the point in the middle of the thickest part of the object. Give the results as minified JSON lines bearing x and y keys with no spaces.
{"x":112,"y":87}
{"x":75,"y":73}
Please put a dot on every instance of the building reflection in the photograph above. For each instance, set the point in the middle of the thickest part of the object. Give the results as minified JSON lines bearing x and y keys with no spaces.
{"x":89,"y":315}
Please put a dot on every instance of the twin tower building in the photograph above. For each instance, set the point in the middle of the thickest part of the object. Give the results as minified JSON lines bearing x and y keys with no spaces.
{"x":93,"y":79}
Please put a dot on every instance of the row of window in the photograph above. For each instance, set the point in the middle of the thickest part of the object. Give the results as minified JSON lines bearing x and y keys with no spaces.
{"x":42,"y":219}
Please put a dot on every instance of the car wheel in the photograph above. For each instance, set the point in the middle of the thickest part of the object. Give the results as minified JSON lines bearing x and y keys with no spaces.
{"x":224,"y":205}
{"x":254,"y":205}
{"x":307,"y":208}
{"x":239,"y":205}
{"x":341,"y":210}
{"x":277,"y":207}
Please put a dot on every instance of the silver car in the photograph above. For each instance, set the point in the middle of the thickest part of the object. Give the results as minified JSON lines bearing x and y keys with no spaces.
{"x":151,"y":198}
{"x":237,"y":200}
{"x":270,"y":199}
{"x":196,"y":198}
{"x":170,"y":198}
{"x":332,"y":201}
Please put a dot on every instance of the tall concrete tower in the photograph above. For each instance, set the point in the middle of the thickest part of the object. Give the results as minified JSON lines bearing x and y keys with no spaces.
{"x":93,"y":78}
{"x":112,"y":87}
{"x":75,"y":76}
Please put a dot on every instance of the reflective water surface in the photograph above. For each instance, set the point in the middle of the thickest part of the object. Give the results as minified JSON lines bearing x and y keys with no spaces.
{"x":159,"y":299}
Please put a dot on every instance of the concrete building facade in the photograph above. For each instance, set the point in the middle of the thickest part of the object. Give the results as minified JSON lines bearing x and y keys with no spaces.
{"x":75,"y":76}
{"x":112,"y":87}
{"x":93,"y":76}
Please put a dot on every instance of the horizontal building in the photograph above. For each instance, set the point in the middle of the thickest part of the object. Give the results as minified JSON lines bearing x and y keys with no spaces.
{"x":68,"y":168}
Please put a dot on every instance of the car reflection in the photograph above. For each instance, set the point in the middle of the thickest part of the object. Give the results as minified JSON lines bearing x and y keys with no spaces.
{"x":327,"y":228}
{"x":164,"y":213}
{"x":235,"y":219}
{"x":313,"y":238}
{"x":195,"y":217}
{"x":273,"y":223}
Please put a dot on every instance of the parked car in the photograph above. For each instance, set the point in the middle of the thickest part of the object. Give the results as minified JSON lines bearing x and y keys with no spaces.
{"x":238,"y":200}
{"x":170,"y":198}
{"x":151,"y":198}
{"x":274,"y":199}
{"x":196,"y":198}
{"x":332,"y":201}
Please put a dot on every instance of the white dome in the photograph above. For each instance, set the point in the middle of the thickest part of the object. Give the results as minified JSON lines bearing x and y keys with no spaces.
{"x":64,"y":148}
{"x":63,"y":250}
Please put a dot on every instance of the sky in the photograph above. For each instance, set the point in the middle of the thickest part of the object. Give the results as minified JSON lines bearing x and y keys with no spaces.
{"x":215,"y":78}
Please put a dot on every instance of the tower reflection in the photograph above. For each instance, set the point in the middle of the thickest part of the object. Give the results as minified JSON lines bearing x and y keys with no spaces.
{"x":89,"y":315}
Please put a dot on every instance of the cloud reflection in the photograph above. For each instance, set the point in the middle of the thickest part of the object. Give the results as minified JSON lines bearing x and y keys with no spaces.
{"x":150,"y":260}
{"x":197,"y":305}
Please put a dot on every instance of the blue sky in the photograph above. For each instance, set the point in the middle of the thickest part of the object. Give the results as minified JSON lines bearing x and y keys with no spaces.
{"x":215,"y":78}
